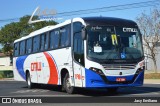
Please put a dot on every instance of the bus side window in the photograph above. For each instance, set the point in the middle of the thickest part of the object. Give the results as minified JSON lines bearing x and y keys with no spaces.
{"x":54,"y":39}
{"x":22,"y":47}
{"x":77,"y":27}
{"x":42,"y":42}
{"x":46,"y":41}
{"x":78,"y":46}
{"x":51,"y":35}
{"x":65,"y":35}
{"x":29,"y":46}
{"x":36,"y":43}
{"x":16,"y":49}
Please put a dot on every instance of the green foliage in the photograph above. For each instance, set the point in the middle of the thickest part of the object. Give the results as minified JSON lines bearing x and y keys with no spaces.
{"x":1,"y":75}
{"x":15,"y":30}
{"x":6,"y":74}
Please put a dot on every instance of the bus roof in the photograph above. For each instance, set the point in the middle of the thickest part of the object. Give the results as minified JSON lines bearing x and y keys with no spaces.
{"x":109,"y":21}
{"x":88,"y":20}
{"x":43,"y":30}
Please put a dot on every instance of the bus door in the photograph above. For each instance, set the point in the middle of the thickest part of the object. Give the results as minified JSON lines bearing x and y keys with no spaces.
{"x":39,"y":69}
{"x":78,"y":59}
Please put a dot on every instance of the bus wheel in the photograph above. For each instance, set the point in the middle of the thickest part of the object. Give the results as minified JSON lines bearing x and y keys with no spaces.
{"x":112,"y":90}
{"x":29,"y":83}
{"x":67,"y":85}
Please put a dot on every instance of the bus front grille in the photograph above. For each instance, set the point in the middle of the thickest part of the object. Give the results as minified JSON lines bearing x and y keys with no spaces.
{"x":118,"y":66}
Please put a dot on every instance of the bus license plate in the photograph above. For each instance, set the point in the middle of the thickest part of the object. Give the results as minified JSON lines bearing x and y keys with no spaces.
{"x":120,"y":79}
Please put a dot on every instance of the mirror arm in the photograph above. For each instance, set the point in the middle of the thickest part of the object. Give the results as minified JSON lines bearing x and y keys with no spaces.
{"x":84,"y":33}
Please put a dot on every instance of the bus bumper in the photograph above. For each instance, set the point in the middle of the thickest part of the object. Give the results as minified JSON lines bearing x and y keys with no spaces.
{"x":95,"y":80}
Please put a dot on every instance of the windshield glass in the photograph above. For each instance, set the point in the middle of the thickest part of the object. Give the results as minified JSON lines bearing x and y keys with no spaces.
{"x":109,"y":42}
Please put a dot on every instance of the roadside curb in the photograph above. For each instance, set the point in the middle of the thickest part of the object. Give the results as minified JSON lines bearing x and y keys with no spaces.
{"x":7,"y":79}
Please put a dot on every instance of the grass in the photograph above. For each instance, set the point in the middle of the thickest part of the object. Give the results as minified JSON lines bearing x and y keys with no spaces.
{"x":152,"y":76}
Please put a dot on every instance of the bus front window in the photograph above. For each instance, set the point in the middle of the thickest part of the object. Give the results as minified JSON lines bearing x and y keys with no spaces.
{"x":109,"y":42}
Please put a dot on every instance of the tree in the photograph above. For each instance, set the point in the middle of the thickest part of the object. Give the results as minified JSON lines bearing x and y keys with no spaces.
{"x":150,"y":29}
{"x":15,"y":30}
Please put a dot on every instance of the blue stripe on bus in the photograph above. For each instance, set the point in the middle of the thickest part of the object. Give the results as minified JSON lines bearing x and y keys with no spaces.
{"x":19,"y":65}
{"x":94,"y":80}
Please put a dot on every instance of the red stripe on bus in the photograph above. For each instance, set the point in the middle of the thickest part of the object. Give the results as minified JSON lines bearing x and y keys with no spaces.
{"x":53,"y":79}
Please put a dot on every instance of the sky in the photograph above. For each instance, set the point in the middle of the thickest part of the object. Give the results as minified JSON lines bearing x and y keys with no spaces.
{"x":17,"y":8}
{"x":10,"y":9}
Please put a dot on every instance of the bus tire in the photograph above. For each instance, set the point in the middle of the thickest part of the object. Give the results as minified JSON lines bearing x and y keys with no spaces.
{"x":67,"y":86}
{"x":112,"y":90}
{"x":29,"y":83}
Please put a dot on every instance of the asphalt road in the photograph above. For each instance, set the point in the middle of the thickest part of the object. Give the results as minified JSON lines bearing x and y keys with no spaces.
{"x":19,"y":89}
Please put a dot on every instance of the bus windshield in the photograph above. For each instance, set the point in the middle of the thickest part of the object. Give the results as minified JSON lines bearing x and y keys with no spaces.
{"x":110,"y":42}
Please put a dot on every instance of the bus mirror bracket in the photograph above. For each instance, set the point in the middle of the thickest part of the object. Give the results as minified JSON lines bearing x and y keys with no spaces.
{"x":83,"y":32}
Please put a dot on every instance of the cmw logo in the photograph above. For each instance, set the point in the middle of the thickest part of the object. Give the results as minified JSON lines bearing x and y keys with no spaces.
{"x":36,"y":66}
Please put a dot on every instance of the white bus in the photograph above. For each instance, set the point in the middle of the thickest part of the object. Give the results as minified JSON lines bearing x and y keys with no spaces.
{"x":90,"y":52}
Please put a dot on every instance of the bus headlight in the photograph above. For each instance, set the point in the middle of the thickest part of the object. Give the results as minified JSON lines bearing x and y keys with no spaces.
{"x":142,"y":64}
{"x":98,"y":71}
